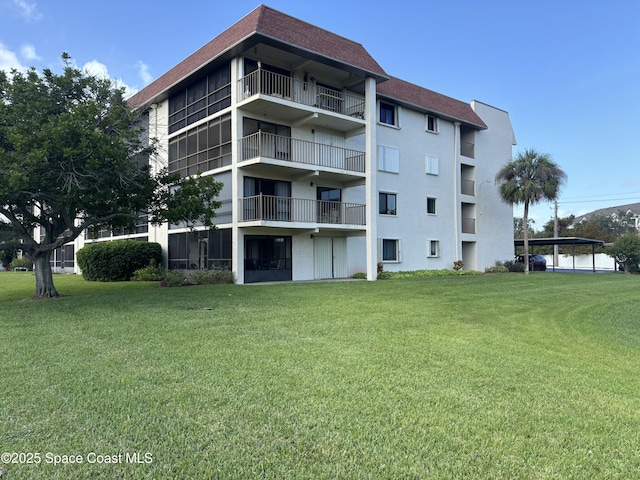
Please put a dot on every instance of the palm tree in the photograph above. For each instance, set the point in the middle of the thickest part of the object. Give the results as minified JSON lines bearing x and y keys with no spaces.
{"x":529,"y":178}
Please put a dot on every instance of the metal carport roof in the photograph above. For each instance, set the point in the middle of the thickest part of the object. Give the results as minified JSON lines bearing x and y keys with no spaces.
{"x":573,"y":241}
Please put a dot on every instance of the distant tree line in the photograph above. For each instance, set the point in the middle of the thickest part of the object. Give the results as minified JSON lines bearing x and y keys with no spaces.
{"x":607,"y":228}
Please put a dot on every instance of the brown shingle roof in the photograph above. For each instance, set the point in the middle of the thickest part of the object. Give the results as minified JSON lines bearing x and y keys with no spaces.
{"x":405,"y":92}
{"x":271,"y":24}
{"x":634,"y":208}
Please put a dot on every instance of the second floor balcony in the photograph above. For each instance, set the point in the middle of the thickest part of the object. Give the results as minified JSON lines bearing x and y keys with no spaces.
{"x":314,"y":102}
{"x":300,"y":153}
{"x":284,"y":211}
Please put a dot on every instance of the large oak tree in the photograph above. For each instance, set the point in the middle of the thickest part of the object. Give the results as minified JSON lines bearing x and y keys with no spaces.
{"x":73,"y":157}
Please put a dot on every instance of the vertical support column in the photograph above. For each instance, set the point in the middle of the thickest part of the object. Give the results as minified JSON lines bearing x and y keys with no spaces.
{"x":159,"y":130}
{"x":457,"y":226}
{"x":371,"y":162}
{"x":237,"y":240}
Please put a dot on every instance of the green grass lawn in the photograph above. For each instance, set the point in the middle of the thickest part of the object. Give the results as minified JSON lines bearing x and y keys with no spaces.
{"x":494,"y":376}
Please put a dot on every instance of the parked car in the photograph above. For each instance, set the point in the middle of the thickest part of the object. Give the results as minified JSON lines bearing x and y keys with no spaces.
{"x":536,"y":262}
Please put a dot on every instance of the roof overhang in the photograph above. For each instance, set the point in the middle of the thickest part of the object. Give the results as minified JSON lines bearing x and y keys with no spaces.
{"x":560,"y":241}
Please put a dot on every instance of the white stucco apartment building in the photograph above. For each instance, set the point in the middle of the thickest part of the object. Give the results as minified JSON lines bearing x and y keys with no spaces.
{"x":329,"y":164}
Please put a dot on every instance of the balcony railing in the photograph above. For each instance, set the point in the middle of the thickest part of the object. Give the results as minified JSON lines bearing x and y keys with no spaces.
{"x":468,"y":225}
{"x":287,"y":209}
{"x":306,"y":93}
{"x":268,"y":145}
{"x":468,"y":187}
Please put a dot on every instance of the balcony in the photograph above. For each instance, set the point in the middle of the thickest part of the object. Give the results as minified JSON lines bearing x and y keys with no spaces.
{"x":468,"y":225}
{"x":468,"y":218}
{"x":292,"y":100}
{"x":301,"y":154}
{"x":286,"y":210}
{"x":468,"y":187}
{"x":468,"y":149}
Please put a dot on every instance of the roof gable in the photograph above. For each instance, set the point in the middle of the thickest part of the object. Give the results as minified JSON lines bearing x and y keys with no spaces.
{"x":272,"y":24}
{"x":634,"y":208}
{"x":414,"y":95}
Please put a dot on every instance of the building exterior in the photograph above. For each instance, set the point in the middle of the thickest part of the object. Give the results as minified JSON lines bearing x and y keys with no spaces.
{"x":630,"y":209}
{"x":329,"y":164}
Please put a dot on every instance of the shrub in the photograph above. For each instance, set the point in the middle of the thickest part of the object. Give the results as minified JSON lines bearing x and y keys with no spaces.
{"x":626,"y":250}
{"x":212,"y":277}
{"x":360,"y":275}
{"x":116,"y":261}
{"x":21,"y":263}
{"x":432,"y":273}
{"x":174,"y":279}
{"x":6,"y":257}
{"x":496,"y":269}
{"x":154,"y":272}
{"x":514,"y":266}
{"x":499,"y":267}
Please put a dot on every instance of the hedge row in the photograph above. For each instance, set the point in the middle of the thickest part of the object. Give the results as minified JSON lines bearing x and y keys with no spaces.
{"x":118,"y":260}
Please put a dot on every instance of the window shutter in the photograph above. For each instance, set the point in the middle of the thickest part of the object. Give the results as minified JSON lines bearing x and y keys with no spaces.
{"x":432,"y":165}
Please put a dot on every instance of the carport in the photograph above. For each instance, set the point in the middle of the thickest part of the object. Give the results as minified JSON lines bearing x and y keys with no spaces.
{"x":573,"y":241}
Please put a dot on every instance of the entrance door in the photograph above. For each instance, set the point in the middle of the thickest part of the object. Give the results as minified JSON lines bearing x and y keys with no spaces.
{"x":330,"y":257}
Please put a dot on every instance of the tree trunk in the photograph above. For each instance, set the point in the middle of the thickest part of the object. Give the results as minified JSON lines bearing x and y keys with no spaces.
{"x":44,"y":276}
{"x":526,"y":237}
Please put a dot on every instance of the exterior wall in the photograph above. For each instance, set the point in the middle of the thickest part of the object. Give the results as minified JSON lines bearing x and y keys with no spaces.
{"x":412,"y":225}
{"x":495,"y":217}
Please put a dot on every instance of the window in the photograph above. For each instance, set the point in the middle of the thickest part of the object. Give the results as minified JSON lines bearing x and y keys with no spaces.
{"x":201,"y":99}
{"x":390,"y":250}
{"x":433,"y":248}
{"x":432,"y":124}
{"x":388,"y":159}
{"x":387,"y":114}
{"x":202,"y":148}
{"x":204,"y":249}
{"x":431,"y":205}
{"x":432,"y":165}
{"x":329,"y":207}
{"x":387,"y":203}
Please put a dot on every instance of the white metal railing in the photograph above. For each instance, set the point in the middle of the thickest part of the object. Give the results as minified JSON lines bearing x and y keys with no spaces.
{"x":288,"y":209}
{"x":306,"y":93}
{"x":268,"y":145}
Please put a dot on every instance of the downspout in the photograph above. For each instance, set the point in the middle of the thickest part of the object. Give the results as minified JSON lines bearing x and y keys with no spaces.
{"x":456,"y":227}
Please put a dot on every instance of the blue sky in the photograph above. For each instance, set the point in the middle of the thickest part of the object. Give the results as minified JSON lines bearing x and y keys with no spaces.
{"x":567,"y":71}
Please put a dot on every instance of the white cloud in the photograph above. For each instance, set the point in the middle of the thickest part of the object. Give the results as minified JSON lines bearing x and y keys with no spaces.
{"x":28,"y":52}
{"x":10,"y":60}
{"x":100,"y":70}
{"x":27,"y":10}
{"x":96,"y":69}
{"x":143,"y":72}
